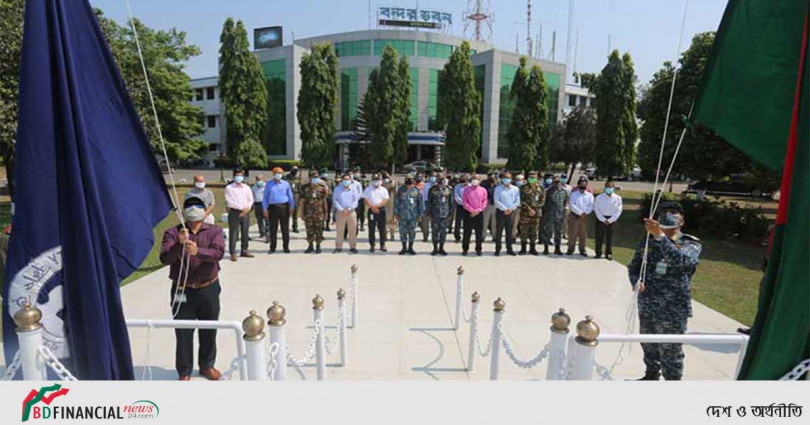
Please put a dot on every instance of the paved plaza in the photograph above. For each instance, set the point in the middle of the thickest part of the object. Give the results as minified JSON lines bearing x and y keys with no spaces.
{"x":406,"y":309}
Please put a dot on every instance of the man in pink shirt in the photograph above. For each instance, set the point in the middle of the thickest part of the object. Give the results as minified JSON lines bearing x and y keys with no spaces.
{"x":239,"y":199}
{"x":474,"y":201}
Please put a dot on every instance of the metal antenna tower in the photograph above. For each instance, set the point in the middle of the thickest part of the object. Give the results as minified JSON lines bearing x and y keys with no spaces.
{"x":478,"y":20}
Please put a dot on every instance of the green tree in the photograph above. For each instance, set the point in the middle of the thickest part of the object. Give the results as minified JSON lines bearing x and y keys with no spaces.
{"x":362,"y":135}
{"x":11,"y":28}
{"x":317,"y":101}
{"x":241,"y":86}
{"x":385,"y":98}
{"x":574,"y":139}
{"x":528,"y":130}
{"x":405,"y":125}
{"x":460,"y":110}
{"x":616,"y":130}
{"x":250,"y":154}
{"x":165,"y":54}
{"x":703,"y":154}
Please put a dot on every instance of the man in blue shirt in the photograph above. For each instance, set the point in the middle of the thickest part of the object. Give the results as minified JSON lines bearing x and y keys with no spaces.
{"x":277,"y":203}
{"x":344,"y":201}
{"x":507,"y":201}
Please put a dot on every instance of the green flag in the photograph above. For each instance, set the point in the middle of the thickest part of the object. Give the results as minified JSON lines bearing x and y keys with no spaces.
{"x":755,"y":94}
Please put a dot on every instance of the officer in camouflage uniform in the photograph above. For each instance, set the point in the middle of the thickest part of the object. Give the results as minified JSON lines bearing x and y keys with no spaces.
{"x":532,"y":199}
{"x":408,"y":209}
{"x":664,"y":300}
{"x":313,"y":203}
{"x":554,"y":215}
{"x":295,"y":185}
{"x":440,"y":206}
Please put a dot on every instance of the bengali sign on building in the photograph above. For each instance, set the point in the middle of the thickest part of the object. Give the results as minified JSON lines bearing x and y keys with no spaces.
{"x":415,"y":18}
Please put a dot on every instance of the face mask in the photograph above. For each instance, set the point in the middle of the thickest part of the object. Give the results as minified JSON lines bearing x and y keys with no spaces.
{"x":506,"y":180}
{"x":563,"y":179}
{"x":548,"y":181}
{"x":432,"y":179}
{"x":260,"y":183}
{"x":346,"y":183}
{"x":239,"y":179}
{"x":519,"y":183}
{"x":316,"y":180}
{"x":475,"y":182}
{"x":376,"y":183}
{"x":532,"y":180}
{"x":387,"y":181}
{"x":277,"y":176}
{"x":670,"y":221}
{"x":455,"y":176}
{"x":609,"y":190}
{"x":194,"y":213}
{"x":199,"y":185}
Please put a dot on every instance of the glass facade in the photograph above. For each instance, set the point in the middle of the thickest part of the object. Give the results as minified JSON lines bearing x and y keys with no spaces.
{"x":274,"y":136}
{"x":434,"y":50}
{"x":414,"y":98}
{"x":433,"y":99}
{"x":404,"y":47}
{"x":507,"y":106}
{"x":348,"y":98}
{"x":353,"y":48}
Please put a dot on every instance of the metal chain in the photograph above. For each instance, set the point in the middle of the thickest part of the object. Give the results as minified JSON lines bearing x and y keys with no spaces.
{"x":525,"y":364}
{"x":272,"y":364}
{"x":459,"y":296}
{"x":235,"y":364}
{"x":330,"y":348}
{"x":310,"y":351}
{"x":52,"y":362}
{"x":350,"y":298}
{"x":12,"y":368}
{"x":603,"y":372}
{"x":797,"y":372}
{"x":486,"y":352}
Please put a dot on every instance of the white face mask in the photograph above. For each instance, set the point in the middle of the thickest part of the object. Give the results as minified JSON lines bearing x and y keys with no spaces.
{"x":278,"y":176}
{"x":376,"y":183}
{"x":475,"y":182}
{"x":199,"y":185}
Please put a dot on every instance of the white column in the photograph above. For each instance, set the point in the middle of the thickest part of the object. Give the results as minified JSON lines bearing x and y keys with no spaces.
{"x":276,"y":322}
{"x":499,"y":307}
{"x":557,"y":345}
{"x":459,"y":295}
{"x":355,"y":295}
{"x":473,"y":330}
{"x":29,"y":335}
{"x":585,"y":346}
{"x":255,"y":347}
{"x":320,"y":348}
{"x":344,"y":344}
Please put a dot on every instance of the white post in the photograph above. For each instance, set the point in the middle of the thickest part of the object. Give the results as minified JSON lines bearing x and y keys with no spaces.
{"x":459,"y":295}
{"x":276,"y":322}
{"x":473,"y":330}
{"x":586,"y":342}
{"x":741,"y":356}
{"x":499,"y":306}
{"x":29,"y":335}
{"x":344,"y":344}
{"x":557,"y":345}
{"x":320,"y":348}
{"x":355,"y":296}
{"x":255,"y":347}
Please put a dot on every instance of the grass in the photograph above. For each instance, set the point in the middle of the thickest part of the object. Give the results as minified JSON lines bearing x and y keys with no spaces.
{"x":727,"y":277}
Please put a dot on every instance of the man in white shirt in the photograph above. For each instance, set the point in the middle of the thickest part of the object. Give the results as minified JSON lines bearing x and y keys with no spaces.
{"x":507,"y":201}
{"x":608,"y":208}
{"x":376,"y":198}
{"x":581,"y":205}
{"x":258,"y":195}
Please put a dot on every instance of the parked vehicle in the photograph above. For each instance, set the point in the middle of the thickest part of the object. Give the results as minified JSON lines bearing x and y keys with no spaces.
{"x":735,"y":186}
{"x":418,"y":167}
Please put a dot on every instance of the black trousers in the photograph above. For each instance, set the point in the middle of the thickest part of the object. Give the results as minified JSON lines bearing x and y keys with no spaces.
{"x":376,"y":222}
{"x":502,"y":220}
{"x":260,"y":220}
{"x":200,"y":304}
{"x":361,"y":214}
{"x":473,"y":223}
{"x":279,"y":214}
{"x":461,"y":216}
{"x":604,"y":234}
{"x":237,"y":225}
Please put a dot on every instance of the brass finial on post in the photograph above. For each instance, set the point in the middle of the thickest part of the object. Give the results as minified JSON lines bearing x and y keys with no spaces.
{"x":28,"y":318}
{"x":588,"y":332}
{"x":341,"y":294}
{"x":460,"y":270}
{"x":276,"y":314}
{"x":317,"y":302}
{"x":476,"y":297}
{"x":253,"y":326}
{"x":354,"y":268}
{"x":499,"y":304}
{"x":560,"y":321}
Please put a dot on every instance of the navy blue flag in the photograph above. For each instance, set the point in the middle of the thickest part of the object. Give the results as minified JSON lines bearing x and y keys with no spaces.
{"x":89,"y":192}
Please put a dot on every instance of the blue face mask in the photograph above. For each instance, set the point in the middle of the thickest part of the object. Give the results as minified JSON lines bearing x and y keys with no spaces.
{"x":563,"y":179}
{"x":548,"y":182}
{"x":432,"y":179}
{"x":520,"y":183}
{"x":609,"y":190}
{"x":239,"y":179}
{"x":260,"y":183}
{"x":506,"y":180}
{"x":346,"y":183}
{"x":316,"y":180}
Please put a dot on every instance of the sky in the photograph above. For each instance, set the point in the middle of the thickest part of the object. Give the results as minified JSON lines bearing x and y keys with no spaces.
{"x":648,"y":29}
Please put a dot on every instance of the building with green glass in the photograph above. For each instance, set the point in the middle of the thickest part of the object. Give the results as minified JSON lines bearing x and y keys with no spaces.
{"x":359,"y":52}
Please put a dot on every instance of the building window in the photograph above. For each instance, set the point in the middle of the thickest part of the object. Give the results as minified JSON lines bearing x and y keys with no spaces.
{"x":209,"y":93}
{"x":433,"y":99}
{"x":353,"y":48}
{"x":199,"y":93}
{"x":212,"y":147}
{"x":212,"y":121}
{"x":403,"y":47}
{"x":572,"y":100}
{"x":274,"y":138}
{"x":348,"y":99}
{"x":434,"y":50}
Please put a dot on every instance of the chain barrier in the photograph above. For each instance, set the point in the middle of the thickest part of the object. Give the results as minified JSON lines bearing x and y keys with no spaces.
{"x":310,"y":351}
{"x":350,"y":300}
{"x":486,"y":352}
{"x":52,"y":362}
{"x":272,"y":364}
{"x":603,"y":372}
{"x":328,"y":345}
{"x":525,"y":364}
{"x":235,"y":365}
{"x":12,"y":368}
{"x":797,"y":372}
{"x":459,"y":296}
